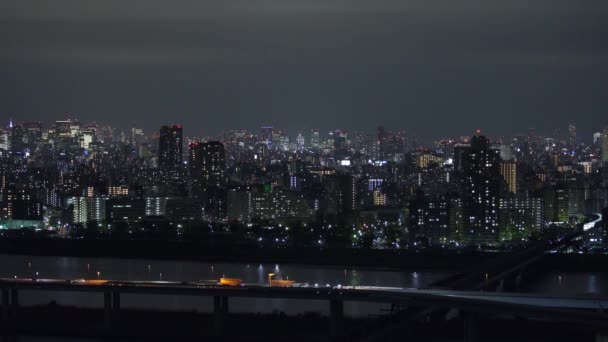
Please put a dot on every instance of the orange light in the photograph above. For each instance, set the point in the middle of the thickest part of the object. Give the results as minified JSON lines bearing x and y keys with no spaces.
{"x":230,"y":281}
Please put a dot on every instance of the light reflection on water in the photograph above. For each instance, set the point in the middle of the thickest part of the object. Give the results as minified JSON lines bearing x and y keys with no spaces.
{"x":569,"y":283}
{"x":552,"y":283}
{"x":142,"y":269}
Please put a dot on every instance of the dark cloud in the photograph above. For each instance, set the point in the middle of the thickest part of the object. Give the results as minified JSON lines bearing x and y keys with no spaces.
{"x":430,"y":67}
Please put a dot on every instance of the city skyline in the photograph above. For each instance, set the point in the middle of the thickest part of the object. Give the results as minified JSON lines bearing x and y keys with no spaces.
{"x":427,"y":67}
{"x":557,"y":131}
{"x":304,"y":170}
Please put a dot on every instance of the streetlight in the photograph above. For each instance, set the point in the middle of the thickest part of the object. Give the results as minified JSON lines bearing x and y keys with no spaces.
{"x":270,"y":275}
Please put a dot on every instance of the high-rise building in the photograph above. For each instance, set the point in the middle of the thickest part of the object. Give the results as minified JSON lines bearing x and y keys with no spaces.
{"x":33,"y":131}
{"x":81,"y":212}
{"x":480,"y":192}
{"x":97,"y":208}
{"x":74,"y":128}
{"x":266,"y":133}
{"x":460,"y":151}
{"x":605,"y":145}
{"x":300,"y":142}
{"x":519,"y":218}
{"x":137,"y":136}
{"x":207,"y":177}
{"x":63,"y":129}
{"x":195,"y":166}
{"x":597,"y":137}
{"x":508,"y":171}
{"x":418,"y":213}
{"x":604,"y":226}
{"x":505,"y":152}
{"x":17,"y":139}
{"x":315,"y":139}
{"x":20,"y":206}
{"x":346,"y":193}
{"x":379,"y":198}
{"x":382,"y":136}
{"x":279,"y":204}
{"x":239,"y":205}
{"x":5,"y":141}
{"x":557,"y":205}
{"x":170,"y":152}
{"x":424,"y":159}
{"x":86,"y":137}
{"x":125,"y":209}
{"x":156,"y":206}
{"x":572,"y":135}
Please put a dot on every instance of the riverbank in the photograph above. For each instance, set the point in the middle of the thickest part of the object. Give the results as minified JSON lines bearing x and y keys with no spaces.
{"x":343,"y":257}
{"x":209,"y":252}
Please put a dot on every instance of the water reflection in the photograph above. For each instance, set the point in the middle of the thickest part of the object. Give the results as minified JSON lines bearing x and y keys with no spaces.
{"x":592,"y":284}
{"x":415,"y":280}
{"x":568,"y":284}
{"x":141,"y":269}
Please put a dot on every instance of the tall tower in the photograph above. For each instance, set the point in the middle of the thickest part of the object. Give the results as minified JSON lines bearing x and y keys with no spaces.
{"x":508,"y":171}
{"x":480,"y":192}
{"x":170,"y":147}
{"x":266,"y":135}
{"x":207,"y":176}
{"x":604,"y":141}
{"x":315,"y":139}
{"x":170,"y":152}
{"x":195,"y":166}
{"x":382,"y":138}
{"x":572,"y":135}
{"x":17,"y":139}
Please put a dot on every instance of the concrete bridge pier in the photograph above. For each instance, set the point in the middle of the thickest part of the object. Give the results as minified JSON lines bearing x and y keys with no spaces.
{"x":107,"y":310}
{"x":5,"y":304}
{"x":471,"y":327}
{"x":10,"y":304}
{"x":501,"y":286}
{"x":14,"y":301}
{"x":220,"y":310}
{"x":336,"y":318}
{"x":115,"y":308}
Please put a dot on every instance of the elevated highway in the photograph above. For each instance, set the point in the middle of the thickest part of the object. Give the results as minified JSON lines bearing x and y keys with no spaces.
{"x":583,"y":311}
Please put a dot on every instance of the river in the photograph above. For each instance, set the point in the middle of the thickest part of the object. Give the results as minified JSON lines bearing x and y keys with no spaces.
{"x":142,"y":269}
{"x":553,"y":283}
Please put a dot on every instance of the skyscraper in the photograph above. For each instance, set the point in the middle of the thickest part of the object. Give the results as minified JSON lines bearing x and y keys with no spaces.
{"x":604,"y":141}
{"x":62,"y":129}
{"x":300,"y":142}
{"x":195,"y":166}
{"x":266,"y":135}
{"x":137,"y":136}
{"x":572,"y":135}
{"x":508,"y":171}
{"x":170,"y":152}
{"x":315,"y":139}
{"x":17,"y":139}
{"x":480,"y":192}
{"x":207,"y":177}
{"x":382,"y":137}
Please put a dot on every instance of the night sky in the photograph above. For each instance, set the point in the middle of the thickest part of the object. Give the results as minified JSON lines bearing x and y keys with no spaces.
{"x":432,"y":68}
